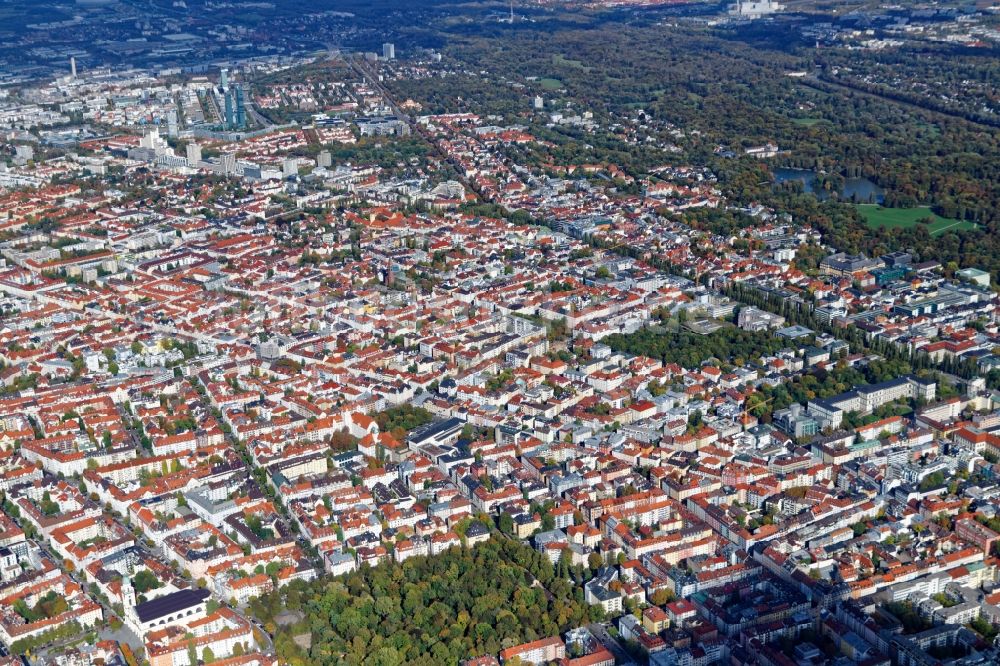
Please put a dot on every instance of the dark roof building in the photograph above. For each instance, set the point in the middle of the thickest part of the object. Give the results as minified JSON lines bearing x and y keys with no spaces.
{"x":173,"y":604}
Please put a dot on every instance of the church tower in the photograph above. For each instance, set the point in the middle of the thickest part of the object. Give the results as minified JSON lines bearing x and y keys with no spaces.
{"x":128,"y":595}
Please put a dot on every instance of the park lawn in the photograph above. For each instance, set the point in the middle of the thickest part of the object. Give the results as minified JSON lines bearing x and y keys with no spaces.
{"x":560,"y":59}
{"x":877,"y":217}
{"x":550,"y":84}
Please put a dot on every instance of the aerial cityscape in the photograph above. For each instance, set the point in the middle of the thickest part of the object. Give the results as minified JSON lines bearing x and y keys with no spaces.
{"x":572,"y":332}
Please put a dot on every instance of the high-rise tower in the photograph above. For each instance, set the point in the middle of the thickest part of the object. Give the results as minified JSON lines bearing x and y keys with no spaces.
{"x":241,"y":109}
{"x":230,"y":119}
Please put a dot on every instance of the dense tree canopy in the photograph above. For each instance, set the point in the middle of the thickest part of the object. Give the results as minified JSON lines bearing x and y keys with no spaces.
{"x":428,"y":610}
{"x":690,"y":350}
{"x":401,"y":419}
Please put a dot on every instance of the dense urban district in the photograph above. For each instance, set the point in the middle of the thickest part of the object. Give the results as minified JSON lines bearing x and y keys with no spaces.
{"x":553,"y":333}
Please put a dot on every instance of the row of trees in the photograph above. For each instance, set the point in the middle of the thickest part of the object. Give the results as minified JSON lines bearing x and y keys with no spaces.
{"x":858,"y":342}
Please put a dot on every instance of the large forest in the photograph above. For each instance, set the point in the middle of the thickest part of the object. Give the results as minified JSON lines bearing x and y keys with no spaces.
{"x":724,"y":87}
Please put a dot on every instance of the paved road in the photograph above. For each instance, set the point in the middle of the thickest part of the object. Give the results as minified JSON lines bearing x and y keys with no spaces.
{"x":161,"y":328}
{"x":362,"y":68}
{"x":600,"y":632}
{"x":269,"y":647}
{"x":258,"y":117}
{"x":123,"y":635}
